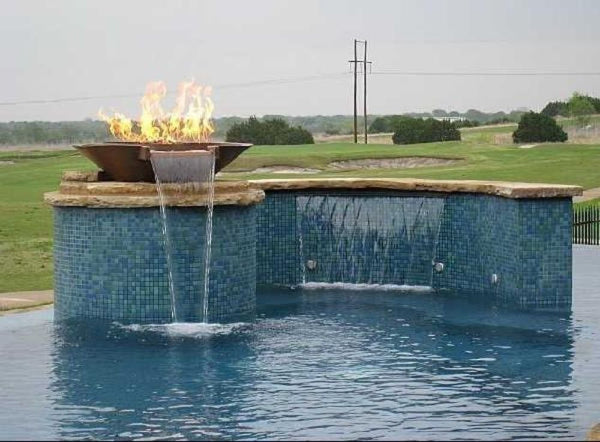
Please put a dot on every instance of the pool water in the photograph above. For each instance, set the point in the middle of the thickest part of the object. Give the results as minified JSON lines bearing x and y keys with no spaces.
{"x":314,"y":364}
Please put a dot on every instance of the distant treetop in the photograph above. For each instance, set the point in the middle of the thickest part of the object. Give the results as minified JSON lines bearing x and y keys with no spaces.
{"x":268,"y":131}
{"x":538,"y":128}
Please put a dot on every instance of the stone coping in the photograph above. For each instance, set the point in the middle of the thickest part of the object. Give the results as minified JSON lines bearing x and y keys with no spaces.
{"x":87,"y":189}
{"x":498,"y":188}
{"x":82,"y":190}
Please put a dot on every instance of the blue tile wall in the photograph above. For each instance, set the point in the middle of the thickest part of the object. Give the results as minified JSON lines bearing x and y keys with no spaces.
{"x":277,"y":255}
{"x":479,"y":236}
{"x":546,"y":251}
{"x":111,"y":263}
{"x":526,"y":242}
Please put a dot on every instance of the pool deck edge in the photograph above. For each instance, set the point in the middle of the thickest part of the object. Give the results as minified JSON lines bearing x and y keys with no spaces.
{"x":513,"y":190}
{"x":11,"y":302}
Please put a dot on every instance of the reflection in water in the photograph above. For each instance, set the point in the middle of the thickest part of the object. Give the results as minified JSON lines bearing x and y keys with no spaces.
{"x":327,"y":364}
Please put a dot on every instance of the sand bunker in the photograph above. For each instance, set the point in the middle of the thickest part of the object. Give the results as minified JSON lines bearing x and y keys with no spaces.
{"x":285,"y":169}
{"x":6,"y":163}
{"x":391,"y":163}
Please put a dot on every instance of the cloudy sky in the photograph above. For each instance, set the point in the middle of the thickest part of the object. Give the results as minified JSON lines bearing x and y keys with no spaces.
{"x":290,"y":57}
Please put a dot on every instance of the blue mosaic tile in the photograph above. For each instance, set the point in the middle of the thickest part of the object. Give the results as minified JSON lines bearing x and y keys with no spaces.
{"x":111,"y":263}
{"x":525,"y":242}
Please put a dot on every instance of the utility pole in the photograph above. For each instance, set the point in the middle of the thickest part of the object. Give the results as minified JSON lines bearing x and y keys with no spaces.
{"x":365,"y":90}
{"x":354,"y":64}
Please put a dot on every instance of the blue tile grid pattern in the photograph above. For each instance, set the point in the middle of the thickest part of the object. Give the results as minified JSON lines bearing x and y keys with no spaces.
{"x":388,"y":237}
{"x":111,"y":263}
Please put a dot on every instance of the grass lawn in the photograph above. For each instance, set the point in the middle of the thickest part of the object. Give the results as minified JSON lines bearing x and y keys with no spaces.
{"x":26,"y":223}
{"x":589,"y":203}
{"x":552,"y":163}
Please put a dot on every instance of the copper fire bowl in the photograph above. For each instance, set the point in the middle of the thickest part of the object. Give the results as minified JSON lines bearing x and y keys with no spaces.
{"x":122,"y":161}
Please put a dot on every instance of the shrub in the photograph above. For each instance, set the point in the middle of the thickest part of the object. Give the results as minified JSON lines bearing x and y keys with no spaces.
{"x":384,"y":124}
{"x":268,"y":131}
{"x":555,"y":108}
{"x":596,"y":103}
{"x":581,"y":108}
{"x":418,"y":130}
{"x":535,"y":127}
{"x":388,"y":123}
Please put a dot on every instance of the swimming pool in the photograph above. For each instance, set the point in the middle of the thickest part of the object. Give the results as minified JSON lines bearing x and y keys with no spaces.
{"x":314,"y":364}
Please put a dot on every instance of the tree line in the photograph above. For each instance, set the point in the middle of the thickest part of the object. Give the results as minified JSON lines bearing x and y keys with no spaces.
{"x":279,"y":129}
{"x":69,"y":132}
{"x":48,"y":132}
{"x":578,"y":106}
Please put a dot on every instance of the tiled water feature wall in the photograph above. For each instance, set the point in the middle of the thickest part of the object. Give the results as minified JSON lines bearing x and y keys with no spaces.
{"x":515,"y":249}
{"x":110,"y":263}
{"x":110,"y":259}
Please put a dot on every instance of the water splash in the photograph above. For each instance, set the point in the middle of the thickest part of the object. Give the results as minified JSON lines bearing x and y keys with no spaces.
{"x":345,"y":286}
{"x":185,"y":329}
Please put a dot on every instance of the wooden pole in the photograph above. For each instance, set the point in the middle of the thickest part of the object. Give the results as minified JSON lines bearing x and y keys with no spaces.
{"x":365,"y":90}
{"x":355,"y":63}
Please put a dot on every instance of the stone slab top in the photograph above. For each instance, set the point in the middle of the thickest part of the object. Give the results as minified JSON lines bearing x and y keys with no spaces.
{"x":498,"y":188}
{"x":89,"y":190}
{"x":83,"y":189}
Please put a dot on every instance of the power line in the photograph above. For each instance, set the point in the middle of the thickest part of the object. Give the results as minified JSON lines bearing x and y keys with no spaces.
{"x":275,"y":81}
{"x":283,"y":80}
{"x":486,"y":74}
{"x":278,"y":81}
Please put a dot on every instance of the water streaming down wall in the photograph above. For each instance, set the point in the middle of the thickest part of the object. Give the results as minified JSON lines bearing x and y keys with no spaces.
{"x":196,"y":170}
{"x":110,"y":261}
{"x":374,"y":240}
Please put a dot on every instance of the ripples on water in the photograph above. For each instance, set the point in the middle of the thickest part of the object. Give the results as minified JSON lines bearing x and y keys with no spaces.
{"x":314,"y":364}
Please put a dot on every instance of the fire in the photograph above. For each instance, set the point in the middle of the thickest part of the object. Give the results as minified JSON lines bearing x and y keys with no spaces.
{"x":189,"y":121}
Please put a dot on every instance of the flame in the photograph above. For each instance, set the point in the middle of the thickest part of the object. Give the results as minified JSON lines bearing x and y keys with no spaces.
{"x":189,"y":121}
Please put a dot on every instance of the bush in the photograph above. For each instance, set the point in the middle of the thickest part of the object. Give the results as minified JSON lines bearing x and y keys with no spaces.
{"x":268,"y":131}
{"x":389,"y":123}
{"x":418,"y":130}
{"x":383,"y":124}
{"x":595,"y":102}
{"x":581,"y":108}
{"x":535,"y":127}
{"x":555,"y":108}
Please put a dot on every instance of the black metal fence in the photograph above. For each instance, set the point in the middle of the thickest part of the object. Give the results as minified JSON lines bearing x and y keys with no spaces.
{"x":586,"y":225}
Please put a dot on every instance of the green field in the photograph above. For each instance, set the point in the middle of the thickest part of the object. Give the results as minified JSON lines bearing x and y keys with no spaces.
{"x":26,"y":223}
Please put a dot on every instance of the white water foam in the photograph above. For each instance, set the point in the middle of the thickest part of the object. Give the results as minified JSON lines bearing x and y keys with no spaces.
{"x":357,"y":287}
{"x":185,"y":329}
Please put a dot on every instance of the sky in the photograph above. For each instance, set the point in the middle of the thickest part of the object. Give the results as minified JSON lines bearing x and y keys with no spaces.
{"x":291,"y":57}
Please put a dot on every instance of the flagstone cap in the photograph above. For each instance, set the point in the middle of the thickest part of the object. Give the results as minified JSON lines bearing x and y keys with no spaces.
{"x":498,"y":188}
